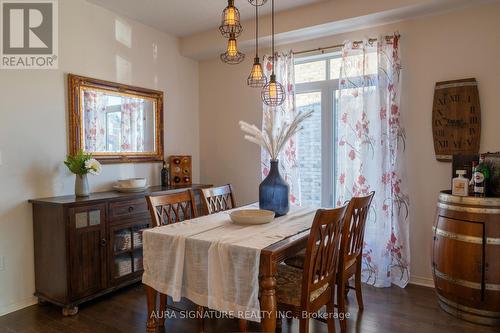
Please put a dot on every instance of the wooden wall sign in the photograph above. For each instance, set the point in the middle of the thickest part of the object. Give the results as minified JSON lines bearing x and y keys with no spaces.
{"x":456,"y":118}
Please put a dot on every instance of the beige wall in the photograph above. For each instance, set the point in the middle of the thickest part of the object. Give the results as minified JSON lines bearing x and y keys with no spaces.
{"x":33,"y":130}
{"x":456,"y":45}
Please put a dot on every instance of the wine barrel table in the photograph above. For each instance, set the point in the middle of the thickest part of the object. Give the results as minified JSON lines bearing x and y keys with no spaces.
{"x":466,"y":257}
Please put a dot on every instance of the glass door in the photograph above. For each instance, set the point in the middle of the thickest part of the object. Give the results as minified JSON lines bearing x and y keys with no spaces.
{"x":309,"y":149}
{"x":126,"y":250}
{"x":316,"y":83}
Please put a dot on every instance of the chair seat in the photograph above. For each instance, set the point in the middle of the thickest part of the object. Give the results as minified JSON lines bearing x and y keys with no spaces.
{"x":297,"y":261}
{"x":289,"y":286}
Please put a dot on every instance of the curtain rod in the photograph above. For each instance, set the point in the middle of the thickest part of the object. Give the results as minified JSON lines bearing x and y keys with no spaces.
{"x":322,"y":49}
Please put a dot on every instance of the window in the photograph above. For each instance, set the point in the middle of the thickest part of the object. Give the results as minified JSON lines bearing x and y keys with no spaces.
{"x":113,"y":130}
{"x":317,"y":87}
{"x":316,"y":80}
{"x":309,"y":148}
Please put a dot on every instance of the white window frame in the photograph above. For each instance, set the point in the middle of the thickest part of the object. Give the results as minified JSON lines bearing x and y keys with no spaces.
{"x":328,"y":89}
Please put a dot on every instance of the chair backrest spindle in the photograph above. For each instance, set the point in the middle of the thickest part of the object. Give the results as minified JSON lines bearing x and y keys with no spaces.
{"x":218,"y":199}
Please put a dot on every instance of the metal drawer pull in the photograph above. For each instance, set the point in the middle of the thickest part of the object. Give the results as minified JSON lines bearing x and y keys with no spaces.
{"x":130,"y":209}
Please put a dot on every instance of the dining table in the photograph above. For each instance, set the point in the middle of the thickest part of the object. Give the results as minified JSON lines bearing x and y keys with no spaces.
{"x":177,"y":258}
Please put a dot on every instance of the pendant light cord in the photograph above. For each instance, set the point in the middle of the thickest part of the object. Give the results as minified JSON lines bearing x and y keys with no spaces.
{"x":256,"y":31}
{"x":272,"y":30}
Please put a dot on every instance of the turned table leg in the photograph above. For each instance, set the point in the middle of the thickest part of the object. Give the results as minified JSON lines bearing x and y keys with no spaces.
{"x":151,"y":300}
{"x":243,"y":324}
{"x":268,"y":304}
{"x":163,"y":310}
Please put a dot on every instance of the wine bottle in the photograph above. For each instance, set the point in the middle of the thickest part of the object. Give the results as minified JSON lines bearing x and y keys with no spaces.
{"x":165,"y":175}
{"x":481,"y":177}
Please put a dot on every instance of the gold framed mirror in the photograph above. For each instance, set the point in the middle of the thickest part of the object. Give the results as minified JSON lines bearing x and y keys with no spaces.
{"x":114,"y":122}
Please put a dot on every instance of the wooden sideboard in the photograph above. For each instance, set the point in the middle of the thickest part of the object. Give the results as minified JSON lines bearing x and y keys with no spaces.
{"x":465,"y":259}
{"x":87,"y":247}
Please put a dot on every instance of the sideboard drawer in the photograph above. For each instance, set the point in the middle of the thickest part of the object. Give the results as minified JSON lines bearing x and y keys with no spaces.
{"x":123,"y":210}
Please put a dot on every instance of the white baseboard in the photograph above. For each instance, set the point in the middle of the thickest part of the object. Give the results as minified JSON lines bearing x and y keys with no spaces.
{"x":5,"y":309}
{"x":422,"y":281}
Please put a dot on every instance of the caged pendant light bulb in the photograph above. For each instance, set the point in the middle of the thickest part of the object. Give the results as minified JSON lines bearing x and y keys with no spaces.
{"x":232,"y":56}
{"x":230,"y":24}
{"x":257,"y":79}
{"x":273,"y":93}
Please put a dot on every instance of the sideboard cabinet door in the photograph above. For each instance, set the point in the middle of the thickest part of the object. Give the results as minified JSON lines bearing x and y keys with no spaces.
{"x":126,"y":251}
{"x":87,"y":248}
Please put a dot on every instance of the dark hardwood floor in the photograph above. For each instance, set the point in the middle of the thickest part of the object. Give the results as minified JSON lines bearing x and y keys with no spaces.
{"x":413,"y":309}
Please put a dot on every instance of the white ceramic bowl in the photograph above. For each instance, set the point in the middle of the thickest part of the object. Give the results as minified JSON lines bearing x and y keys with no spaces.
{"x":132,"y":183}
{"x":251,"y":216}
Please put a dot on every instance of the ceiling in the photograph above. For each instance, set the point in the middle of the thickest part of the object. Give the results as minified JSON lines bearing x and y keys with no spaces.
{"x":185,"y":17}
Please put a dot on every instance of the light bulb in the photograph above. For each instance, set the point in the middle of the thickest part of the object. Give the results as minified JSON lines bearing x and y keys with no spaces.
{"x":230,"y":18}
{"x":257,"y":72}
{"x":232,"y":49}
{"x":273,"y":90}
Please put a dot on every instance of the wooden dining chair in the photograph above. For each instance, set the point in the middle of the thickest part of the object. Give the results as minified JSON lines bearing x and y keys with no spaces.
{"x":217,"y":199}
{"x":167,"y":209}
{"x":172,"y":208}
{"x":305,"y":291}
{"x":351,"y":253}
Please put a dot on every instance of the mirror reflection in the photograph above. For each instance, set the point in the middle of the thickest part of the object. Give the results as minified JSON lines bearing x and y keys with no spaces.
{"x":115,"y":122}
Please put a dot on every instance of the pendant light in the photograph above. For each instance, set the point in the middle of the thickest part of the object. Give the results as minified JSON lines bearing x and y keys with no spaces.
{"x":257,"y":79}
{"x":232,"y":56}
{"x":230,"y":24}
{"x":273,"y":93}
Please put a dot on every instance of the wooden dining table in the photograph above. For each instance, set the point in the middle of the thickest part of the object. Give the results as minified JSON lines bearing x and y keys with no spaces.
{"x":270,"y":257}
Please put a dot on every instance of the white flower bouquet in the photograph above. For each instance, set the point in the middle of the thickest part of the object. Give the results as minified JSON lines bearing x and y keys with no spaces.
{"x":82,"y":164}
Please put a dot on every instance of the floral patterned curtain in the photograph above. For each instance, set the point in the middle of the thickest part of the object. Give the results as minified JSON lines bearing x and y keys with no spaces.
{"x":284,"y":70}
{"x":132,"y":124}
{"x":95,"y":120}
{"x":371,"y":155}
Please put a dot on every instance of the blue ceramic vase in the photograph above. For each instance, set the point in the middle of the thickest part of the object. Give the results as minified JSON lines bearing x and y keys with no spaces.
{"x":273,"y":192}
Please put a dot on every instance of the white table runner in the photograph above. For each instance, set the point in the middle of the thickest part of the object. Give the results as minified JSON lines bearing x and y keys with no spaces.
{"x":213,"y":262}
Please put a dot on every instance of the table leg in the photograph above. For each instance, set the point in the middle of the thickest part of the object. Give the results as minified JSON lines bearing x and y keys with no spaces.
{"x":268,"y":304}
{"x":162,"y":311}
{"x":151,"y":300}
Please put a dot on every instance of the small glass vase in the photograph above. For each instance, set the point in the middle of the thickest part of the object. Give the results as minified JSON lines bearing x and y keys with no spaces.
{"x":82,"y":188}
{"x":274,"y":192}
